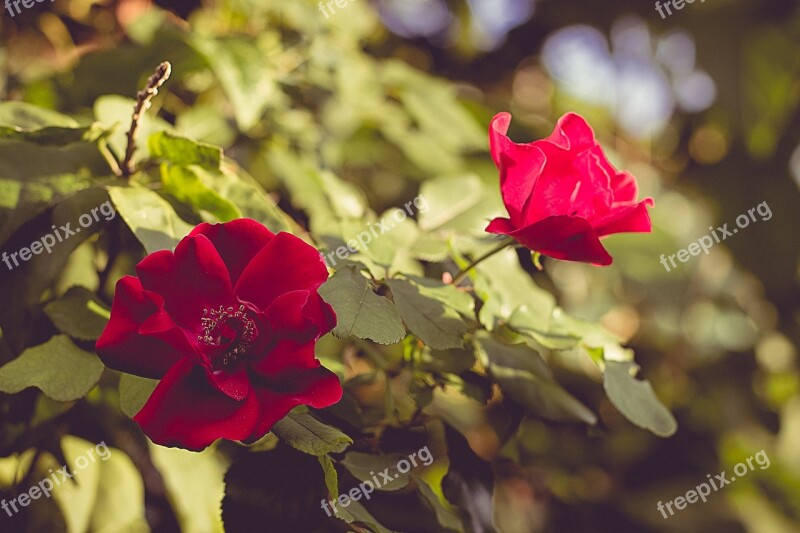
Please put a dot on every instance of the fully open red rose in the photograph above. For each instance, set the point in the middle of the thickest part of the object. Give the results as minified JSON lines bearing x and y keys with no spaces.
{"x":228,"y":323}
{"x":562,"y":194}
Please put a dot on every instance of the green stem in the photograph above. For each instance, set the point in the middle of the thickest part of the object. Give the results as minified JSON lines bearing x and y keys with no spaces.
{"x":461,"y":275}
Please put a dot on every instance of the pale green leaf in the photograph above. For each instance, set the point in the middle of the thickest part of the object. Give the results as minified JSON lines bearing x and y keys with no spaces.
{"x":151,"y":219}
{"x":635,"y":399}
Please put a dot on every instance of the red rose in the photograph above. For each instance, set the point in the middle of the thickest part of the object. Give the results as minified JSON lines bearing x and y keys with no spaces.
{"x":228,"y":323}
{"x":562,"y":194}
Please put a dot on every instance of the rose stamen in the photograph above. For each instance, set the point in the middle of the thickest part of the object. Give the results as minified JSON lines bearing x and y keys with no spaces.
{"x":216,"y":321}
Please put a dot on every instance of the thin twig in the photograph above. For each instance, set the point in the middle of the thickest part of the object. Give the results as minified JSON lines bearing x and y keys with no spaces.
{"x":143,"y":99}
{"x":463,"y":274}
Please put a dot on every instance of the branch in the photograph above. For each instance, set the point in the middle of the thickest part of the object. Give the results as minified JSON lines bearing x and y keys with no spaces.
{"x":143,"y":99}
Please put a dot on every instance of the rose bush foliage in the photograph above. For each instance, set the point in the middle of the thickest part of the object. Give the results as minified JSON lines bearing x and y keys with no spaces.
{"x":197,"y":310}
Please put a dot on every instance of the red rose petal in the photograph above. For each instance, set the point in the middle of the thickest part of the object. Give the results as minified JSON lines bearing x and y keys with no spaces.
{"x":285,"y":264}
{"x":233,"y":382}
{"x":573,"y":133}
{"x":186,"y":410}
{"x":563,"y":237}
{"x":520,"y":166}
{"x":192,"y":279}
{"x":286,"y":353}
{"x":318,"y":388}
{"x":237,"y":242}
{"x":628,"y":219}
{"x":123,"y":347}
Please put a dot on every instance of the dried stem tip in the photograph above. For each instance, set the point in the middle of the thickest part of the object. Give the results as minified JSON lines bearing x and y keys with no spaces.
{"x":143,"y":99}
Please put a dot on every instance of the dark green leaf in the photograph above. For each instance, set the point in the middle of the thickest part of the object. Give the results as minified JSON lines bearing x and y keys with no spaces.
{"x":134,"y":391}
{"x":58,"y":368}
{"x":361,"y":312}
{"x":438,"y":325}
{"x":364,"y":465}
{"x":26,"y":283}
{"x":453,"y":361}
{"x":79,"y":314}
{"x":307,"y":434}
{"x":524,"y":376}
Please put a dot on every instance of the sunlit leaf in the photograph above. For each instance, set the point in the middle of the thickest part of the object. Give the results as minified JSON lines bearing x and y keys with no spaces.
{"x":151,"y":219}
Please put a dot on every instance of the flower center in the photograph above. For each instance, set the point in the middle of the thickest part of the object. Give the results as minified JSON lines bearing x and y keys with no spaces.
{"x":231,"y":330}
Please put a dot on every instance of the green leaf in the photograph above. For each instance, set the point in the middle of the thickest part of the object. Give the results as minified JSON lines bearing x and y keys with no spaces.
{"x":108,"y":494}
{"x":542,"y":330}
{"x":51,"y":135}
{"x":151,"y":219}
{"x":331,"y":476}
{"x":464,"y":212}
{"x":21,"y":121}
{"x":451,"y":297}
{"x":355,"y":513}
{"x":79,"y":314}
{"x":364,"y":465}
{"x":361,"y":312}
{"x":636,"y":400}
{"x":183,"y":151}
{"x":187,"y":185}
{"x":445,"y":514}
{"x":34,"y":178}
{"x":426,"y":312}
{"x":26,"y":283}
{"x":502,"y":295}
{"x":134,"y":391}
{"x":525,"y":378}
{"x":204,"y":123}
{"x":307,"y":434}
{"x":194,"y":483}
{"x":58,"y":368}
{"x":30,"y":117}
{"x":243,"y":72}
{"x":453,"y":361}
{"x":249,"y":197}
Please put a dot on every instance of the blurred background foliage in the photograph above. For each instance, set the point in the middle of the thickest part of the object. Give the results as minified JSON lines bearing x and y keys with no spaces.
{"x":344,"y":116}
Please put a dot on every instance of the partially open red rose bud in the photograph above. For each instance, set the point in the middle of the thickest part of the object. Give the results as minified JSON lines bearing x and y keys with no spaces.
{"x":562,"y":194}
